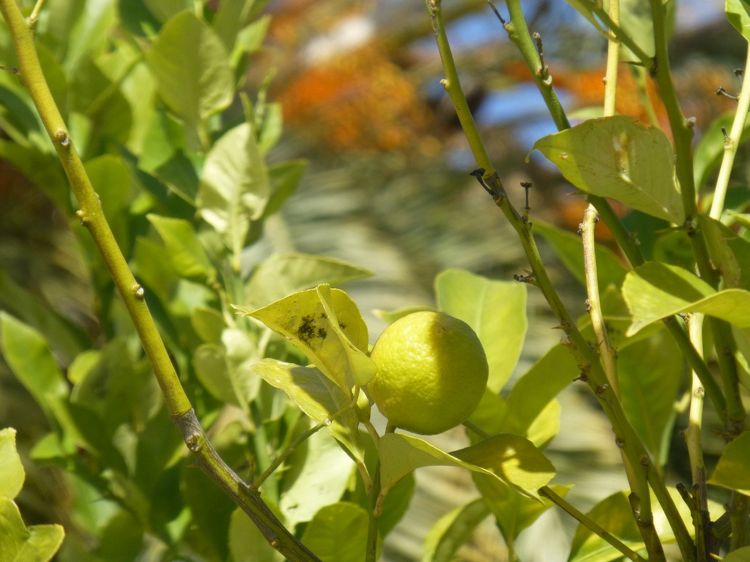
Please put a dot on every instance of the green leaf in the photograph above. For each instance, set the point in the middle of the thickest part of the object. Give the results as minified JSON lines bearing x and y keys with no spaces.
{"x":540,"y":385}
{"x":338,"y":533}
{"x":63,"y":338}
{"x":165,"y":9}
{"x":185,"y":250}
{"x":618,"y":157}
{"x":43,"y":543}
{"x":636,"y":21}
{"x":733,"y":468}
{"x":21,"y":544}
{"x":229,"y":377}
{"x":648,"y":395}
{"x":738,"y":14}
{"x":191,"y":68}
{"x":246,"y":543}
{"x":318,"y":476}
{"x":513,"y":511}
{"x":710,"y":148}
{"x":569,"y":249}
{"x":452,"y":530}
{"x":113,"y":181}
{"x":27,"y":355}
{"x":730,"y":253}
{"x":656,"y":290}
{"x":614,"y":515}
{"x":11,"y":470}
{"x":317,"y":397}
{"x":283,"y":274}
{"x":302,"y":319}
{"x":308,"y":388}
{"x":208,"y":324}
{"x":390,"y":316}
{"x":495,"y":310}
{"x":509,"y":458}
{"x":229,"y":19}
{"x":739,"y":555}
{"x":284,"y":177}
{"x":234,"y":186}
{"x":250,"y":39}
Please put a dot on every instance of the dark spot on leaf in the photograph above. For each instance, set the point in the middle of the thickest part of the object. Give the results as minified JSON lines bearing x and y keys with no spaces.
{"x":306,"y":330}
{"x":322,"y":333}
{"x":342,"y":325}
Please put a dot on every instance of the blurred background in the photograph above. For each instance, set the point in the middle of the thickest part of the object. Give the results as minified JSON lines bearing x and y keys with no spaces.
{"x":388,"y":188}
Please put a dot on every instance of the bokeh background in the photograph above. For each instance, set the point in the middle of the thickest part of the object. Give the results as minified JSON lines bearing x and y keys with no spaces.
{"x":387,"y":187}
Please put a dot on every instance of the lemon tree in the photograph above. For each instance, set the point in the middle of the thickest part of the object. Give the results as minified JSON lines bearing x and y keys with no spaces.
{"x":432,"y":372}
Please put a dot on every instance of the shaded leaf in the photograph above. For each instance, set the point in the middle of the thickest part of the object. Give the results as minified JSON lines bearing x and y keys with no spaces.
{"x":513,"y":511}
{"x":648,"y":394}
{"x":733,"y":468}
{"x":453,"y":530}
{"x":656,"y":290}
{"x":338,"y":533}
{"x":618,"y":157}
{"x":495,"y":310}
{"x":302,"y":319}
{"x":730,"y":253}
{"x":12,"y":474}
{"x":246,"y":543}
{"x":283,"y":274}
{"x":284,"y":178}
{"x":739,"y":555}
{"x":318,"y":476}
{"x":569,"y":249}
{"x":185,"y":250}
{"x":191,"y":67}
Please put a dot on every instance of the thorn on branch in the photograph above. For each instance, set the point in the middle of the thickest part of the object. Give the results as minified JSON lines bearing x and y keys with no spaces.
{"x":525,"y":277}
{"x":543,"y":71}
{"x":497,"y":12}
{"x":62,"y":137}
{"x":720,"y":91}
{"x":727,"y":140}
{"x":478,"y":174}
{"x":738,"y":72}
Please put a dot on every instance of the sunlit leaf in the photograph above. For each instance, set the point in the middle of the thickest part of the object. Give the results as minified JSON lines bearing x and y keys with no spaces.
{"x":338,"y":533}
{"x":738,"y":14}
{"x":37,"y":543}
{"x":495,"y":310}
{"x":452,"y":530}
{"x":733,"y":469}
{"x":234,"y":186}
{"x":618,"y":157}
{"x":509,"y":458}
{"x":302,"y":319}
{"x":656,"y":290}
{"x":191,"y":68}
{"x":283,"y":274}
{"x":11,"y":470}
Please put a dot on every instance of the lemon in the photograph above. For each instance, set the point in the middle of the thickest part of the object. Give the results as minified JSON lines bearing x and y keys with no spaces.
{"x":431,"y":372}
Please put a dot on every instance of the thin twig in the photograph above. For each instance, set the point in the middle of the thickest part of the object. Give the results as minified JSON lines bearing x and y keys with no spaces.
{"x":590,"y":524}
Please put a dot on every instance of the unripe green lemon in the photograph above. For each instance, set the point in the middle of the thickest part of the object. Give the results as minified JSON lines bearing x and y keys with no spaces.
{"x":432,"y":372}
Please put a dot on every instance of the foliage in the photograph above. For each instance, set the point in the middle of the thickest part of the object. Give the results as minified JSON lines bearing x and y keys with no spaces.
{"x":275,"y":360}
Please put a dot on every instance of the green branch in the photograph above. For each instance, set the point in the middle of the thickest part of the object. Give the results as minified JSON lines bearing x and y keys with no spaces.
{"x":92,"y":217}
{"x":633,"y":451}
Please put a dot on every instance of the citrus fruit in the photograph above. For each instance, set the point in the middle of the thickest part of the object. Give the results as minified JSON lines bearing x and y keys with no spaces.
{"x":431,"y":372}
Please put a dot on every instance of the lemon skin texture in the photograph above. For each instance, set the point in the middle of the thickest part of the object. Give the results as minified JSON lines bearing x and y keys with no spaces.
{"x":431,"y":372}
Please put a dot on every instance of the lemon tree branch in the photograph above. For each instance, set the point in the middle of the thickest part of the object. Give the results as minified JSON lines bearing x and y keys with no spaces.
{"x":92,"y":217}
